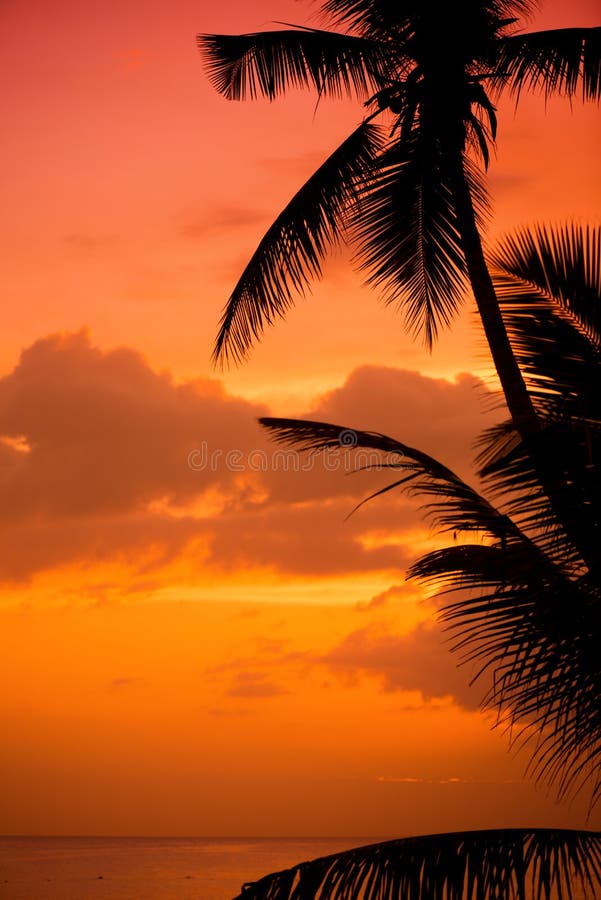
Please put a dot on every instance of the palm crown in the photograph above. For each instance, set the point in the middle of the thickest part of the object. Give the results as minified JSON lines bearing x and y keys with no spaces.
{"x":406,"y":186}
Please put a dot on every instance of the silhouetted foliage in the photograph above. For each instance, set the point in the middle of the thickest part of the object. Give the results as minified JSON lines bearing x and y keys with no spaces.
{"x":529,"y":609}
{"x":408,"y":192}
{"x":521,"y":601}
{"x":471,"y":865}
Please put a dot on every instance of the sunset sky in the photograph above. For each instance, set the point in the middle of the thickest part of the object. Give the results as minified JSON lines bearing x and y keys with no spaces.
{"x":192,"y":648}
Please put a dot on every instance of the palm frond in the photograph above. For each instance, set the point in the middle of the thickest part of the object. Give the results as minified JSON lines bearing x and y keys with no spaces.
{"x":408,"y":237}
{"x":548,"y":283}
{"x":519,"y":477}
{"x":562,"y":262}
{"x":495,"y":443}
{"x":292,"y":250}
{"x":366,"y":16}
{"x":497,"y":865}
{"x":536,"y":632}
{"x":551,"y":489}
{"x":267,"y":63}
{"x":560,"y":61}
{"x":452,"y":505}
{"x":384,"y":17}
{"x":559,"y":360}
{"x":480,"y":122}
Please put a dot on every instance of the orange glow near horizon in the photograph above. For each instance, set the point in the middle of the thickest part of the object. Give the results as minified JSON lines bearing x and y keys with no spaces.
{"x":197,"y":639}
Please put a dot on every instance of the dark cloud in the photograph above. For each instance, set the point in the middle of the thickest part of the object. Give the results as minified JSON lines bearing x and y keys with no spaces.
{"x":143,"y":540}
{"x":253,"y":686}
{"x":313,"y":539}
{"x":381,"y":600}
{"x":108,"y":434}
{"x":418,"y":661}
{"x":103,"y":458}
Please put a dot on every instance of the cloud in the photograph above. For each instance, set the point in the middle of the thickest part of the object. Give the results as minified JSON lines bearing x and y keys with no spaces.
{"x":142,"y":540}
{"x":313,"y":540}
{"x":417,"y":661}
{"x":381,"y":599}
{"x":221,"y":220}
{"x":106,"y":465}
{"x":108,"y":434}
{"x":253,"y":686}
{"x":103,"y":458}
{"x":125,"y":681}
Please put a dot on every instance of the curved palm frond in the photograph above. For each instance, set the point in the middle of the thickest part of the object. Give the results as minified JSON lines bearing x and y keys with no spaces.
{"x":267,"y":63}
{"x":481,"y":122}
{"x":497,"y":865}
{"x":548,"y":282}
{"x":562,"y":263}
{"x":559,"y":61}
{"x":556,"y":354}
{"x":293,"y":248}
{"x":453,"y":506}
{"x":407,"y":233}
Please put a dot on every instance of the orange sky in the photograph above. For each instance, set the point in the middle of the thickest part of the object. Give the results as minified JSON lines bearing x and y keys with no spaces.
{"x":192,"y":648}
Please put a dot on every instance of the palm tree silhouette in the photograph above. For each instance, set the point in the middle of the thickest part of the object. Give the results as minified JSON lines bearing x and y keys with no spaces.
{"x":528,"y":611}
{"x":409,"y":192}
{"x":476,"y":865}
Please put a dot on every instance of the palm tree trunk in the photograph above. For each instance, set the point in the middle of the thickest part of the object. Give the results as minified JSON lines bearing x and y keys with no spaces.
{"x":514,"y":388}
{"x":521,"y":408}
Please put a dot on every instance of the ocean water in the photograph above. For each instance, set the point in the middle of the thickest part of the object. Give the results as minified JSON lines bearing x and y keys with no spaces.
{"x":101,"y":868}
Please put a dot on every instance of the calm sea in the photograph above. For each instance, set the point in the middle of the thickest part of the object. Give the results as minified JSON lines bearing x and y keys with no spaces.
{"x":63,"y":868}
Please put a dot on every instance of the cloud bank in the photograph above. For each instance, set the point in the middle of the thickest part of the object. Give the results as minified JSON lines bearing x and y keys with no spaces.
{"x":103,"y":458}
